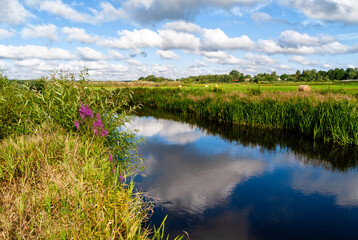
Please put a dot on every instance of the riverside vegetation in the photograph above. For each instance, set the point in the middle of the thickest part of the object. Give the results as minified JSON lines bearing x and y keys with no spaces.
{"x":64,"y":165}
{"x":322,"y":114}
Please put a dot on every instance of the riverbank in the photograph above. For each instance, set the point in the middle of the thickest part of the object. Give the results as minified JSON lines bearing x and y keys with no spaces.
{"x":64,"y":164}
{"x":322,"y":115}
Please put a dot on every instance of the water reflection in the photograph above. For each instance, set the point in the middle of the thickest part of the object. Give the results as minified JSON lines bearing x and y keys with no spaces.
{"x":329,"y":156}
{"x":187,"y":182}
{"x":225,"y":182}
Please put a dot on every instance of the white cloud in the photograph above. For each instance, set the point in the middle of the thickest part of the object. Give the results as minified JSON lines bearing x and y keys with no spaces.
{"x":178,"y":40}
{"x":58,"y":8}
{"x":164,"y":39}
{"x":40,"y":31}
{"x":148,"y":11}
{"x":303,"y":61}
{"x":183,"y":26}
{"x":27,"y":62}
{"x":6,"y":34}
{"x":79,"y":34}
{"x":13,"y":12}
{"x":292,"y":42}
{"x":87,"y":53}
{"x":329,"y":10}
{"x":116,"y":55}
{"x":261,"y":17}
{"x":166,"y":54}
{"x":197,"y":64}
{"x":133,"y":39}
{"x":31,"y":51}
{"x":216,"y":39}
{"x":292,"y":38}
{"x":134,"y":62}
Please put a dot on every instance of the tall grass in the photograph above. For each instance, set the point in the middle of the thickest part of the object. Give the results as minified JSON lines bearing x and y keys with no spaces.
{"x":63,"y":172}
{"x":330,"y":117}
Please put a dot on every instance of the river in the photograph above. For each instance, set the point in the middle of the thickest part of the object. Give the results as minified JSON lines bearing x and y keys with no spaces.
{"x":218,"y":181}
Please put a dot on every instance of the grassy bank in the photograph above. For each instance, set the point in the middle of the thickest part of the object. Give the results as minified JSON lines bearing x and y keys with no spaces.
{"x":327,"y":116}
{"x":64,"y":164}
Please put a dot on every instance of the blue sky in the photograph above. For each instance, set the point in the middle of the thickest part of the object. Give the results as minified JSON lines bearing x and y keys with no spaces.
{"x":126,"y":39}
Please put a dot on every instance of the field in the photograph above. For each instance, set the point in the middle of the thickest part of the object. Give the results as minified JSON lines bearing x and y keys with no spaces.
{"x":343,"y":87}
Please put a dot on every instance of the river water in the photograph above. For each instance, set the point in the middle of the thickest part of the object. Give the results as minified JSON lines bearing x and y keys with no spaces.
{"x":216,"y":181}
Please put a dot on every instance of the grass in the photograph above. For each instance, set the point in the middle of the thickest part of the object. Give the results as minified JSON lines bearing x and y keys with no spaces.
{"x":326,"y":115}
{"x":59,"y":185}
{"x":63,"y":163}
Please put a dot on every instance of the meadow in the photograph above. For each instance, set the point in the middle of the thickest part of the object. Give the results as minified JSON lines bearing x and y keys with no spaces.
{"x":328,"y":112}
{"x":65,"y":167}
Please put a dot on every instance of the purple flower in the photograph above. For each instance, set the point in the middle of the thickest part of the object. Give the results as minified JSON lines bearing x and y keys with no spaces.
{"x":110,"y":157}
{"x":85,"y":111}
{"x":120,"y":177}
{"x":104,"y":132}
{"x":77,"y":125}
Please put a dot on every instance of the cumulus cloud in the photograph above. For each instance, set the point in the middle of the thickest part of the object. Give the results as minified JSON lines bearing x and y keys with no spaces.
{"x":79,"y":34}
{"x":13,"y":12}
{"x":303,"y":61}
{"x":183,"y":26}
{"x":166,"y":54}
{"x":329,"y":10}
{"x":58,"y":8}
{"x":134,"y":62}
{"x":32,"y":51}
{"x":6,"y":34}
{"x":40,"y":31}
{"x":90,"y":54}
{"x":163,"y":39}
{"x":216,"y":39}
{"x":295,"y":39}
{"x":292,"y":42}
{"x":115,"y":55}
{"x":27,"y":62}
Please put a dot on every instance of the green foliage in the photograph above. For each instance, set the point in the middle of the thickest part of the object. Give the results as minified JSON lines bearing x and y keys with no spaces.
{"x":62,"y":179}
{"x":152,"y":78}
{"x":327,"y":119}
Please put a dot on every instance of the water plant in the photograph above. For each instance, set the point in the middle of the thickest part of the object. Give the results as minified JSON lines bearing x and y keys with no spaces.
{"x":331,"y":117}
{"x":63,"y":163}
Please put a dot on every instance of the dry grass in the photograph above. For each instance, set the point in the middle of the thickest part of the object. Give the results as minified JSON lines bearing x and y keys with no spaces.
{"x":60,"y":186}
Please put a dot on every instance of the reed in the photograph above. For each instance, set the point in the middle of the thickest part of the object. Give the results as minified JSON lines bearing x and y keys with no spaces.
{"x":329,"y":117}
{"x":65,"y":166}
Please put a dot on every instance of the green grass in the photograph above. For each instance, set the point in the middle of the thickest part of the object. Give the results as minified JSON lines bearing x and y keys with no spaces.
{"x":58,"y":181}
{"x":323,"y":115}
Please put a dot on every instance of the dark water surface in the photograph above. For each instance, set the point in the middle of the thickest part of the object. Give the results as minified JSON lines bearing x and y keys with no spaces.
{"x":223,"y":182}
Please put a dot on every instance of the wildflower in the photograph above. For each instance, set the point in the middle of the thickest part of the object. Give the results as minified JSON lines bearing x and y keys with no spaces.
{"x":110,"y":157}
{"x":120,"y":176}
{"x":85,"y":111}
{"x":77,"y":125}
{"x":104,"y":132}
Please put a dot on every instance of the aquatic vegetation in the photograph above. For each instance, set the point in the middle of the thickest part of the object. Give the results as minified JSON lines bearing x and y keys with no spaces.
{"x":331,"y":117}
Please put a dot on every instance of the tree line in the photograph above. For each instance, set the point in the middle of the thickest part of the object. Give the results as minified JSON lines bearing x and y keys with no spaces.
{"x":236,"y":76}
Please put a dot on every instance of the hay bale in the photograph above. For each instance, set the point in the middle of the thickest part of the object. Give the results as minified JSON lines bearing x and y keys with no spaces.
{"x":304,"y":88}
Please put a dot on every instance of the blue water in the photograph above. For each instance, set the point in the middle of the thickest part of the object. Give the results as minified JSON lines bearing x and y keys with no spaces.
{"x":213,"y":186}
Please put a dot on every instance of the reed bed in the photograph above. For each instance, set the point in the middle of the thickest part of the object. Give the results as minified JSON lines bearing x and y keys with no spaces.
{"x":64,"y":163}
{"x":329,"y":117}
